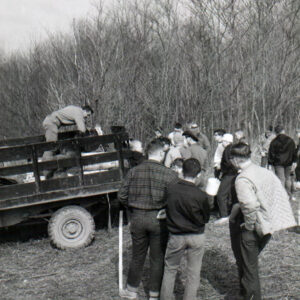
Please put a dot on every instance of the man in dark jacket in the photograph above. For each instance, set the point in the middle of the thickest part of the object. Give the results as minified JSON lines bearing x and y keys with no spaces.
{"x":282,"y":155}
{"x":228,"y":174}
{"x":187,"y":214}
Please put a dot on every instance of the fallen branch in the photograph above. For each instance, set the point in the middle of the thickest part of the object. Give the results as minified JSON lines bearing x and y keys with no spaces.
{"x":42,"y":275}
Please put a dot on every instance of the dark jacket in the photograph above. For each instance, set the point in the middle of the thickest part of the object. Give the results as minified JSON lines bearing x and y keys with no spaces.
{"x":282,"y":151}
{"x":226,"y":166}
{"x":187,"y":208}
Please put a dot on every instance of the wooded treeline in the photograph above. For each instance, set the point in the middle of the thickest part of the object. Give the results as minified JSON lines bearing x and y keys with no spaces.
{"x":143,"y":64}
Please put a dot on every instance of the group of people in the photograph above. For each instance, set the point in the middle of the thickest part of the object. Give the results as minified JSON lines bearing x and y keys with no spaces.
{"x":168,"y":208}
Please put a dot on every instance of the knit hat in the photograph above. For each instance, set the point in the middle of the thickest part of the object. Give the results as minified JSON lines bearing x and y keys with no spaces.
{"x":227,"y":137}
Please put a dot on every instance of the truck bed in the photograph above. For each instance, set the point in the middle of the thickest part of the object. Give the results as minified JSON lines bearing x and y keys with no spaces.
{"x":70,"y":186}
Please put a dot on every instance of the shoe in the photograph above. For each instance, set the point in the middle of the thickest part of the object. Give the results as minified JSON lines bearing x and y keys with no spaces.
{"x":297,"y":185}
{"x":128,"y":294}
{"x":222,"y":221}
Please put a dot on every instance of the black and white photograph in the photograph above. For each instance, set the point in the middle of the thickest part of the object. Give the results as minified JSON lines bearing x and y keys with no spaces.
{"x":150,"y":149}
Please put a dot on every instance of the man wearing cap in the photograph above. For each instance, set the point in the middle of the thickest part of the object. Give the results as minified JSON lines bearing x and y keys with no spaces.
{"x":202,"y":138}
{"x":174,"y":152}
{"x":282,"y":155}
{"x":228,"y":174}
{"x":177,"y":132}
{"x":196,"y":150}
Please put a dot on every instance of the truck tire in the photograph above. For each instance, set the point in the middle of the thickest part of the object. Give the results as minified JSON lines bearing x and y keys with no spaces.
{"x":71,"y":227}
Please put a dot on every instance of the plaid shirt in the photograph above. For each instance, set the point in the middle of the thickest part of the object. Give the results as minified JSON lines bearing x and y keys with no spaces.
{"x":145,"y":186}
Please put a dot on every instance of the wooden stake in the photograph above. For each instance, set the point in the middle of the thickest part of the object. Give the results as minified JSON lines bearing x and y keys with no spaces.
{"x":121,"y":250}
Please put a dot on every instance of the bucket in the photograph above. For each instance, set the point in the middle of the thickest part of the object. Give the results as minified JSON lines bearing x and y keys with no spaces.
{"x":212,"y":186}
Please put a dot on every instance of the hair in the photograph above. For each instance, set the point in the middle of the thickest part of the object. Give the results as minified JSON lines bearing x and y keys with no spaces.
{"x":178,"y":162}
{"x":191,"y":135}
{"x":164,"y":140}
{"x":87,"y":108}
{"x":154,"y":146}
{"x":219,"y":131}
{"x":191,"y":167}
{"x":178,"y":125}
{"x":278,"y":128}
{"x":240,"y":150}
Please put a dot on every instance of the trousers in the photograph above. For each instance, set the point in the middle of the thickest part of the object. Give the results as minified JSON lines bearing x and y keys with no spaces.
{"x":193,"y":245}
{"x":147,"y":232}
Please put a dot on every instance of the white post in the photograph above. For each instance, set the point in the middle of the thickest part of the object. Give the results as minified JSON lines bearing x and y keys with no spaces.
{"x":121,"y":250}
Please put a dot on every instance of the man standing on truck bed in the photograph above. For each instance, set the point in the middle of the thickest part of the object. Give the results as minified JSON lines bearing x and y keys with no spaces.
{"x":143,"y":192}
{"x":69,"y":115}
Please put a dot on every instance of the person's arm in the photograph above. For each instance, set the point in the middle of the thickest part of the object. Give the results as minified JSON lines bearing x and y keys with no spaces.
{"x":124,"y":190}
{"x":271,"y":155}
{"x":80,"y":122}
{"x":246,"y":194}
{"x":206,"y":210}
{"x":206,"y":143}
{"x":234,"y":212}
{"x":168,"y":159}
{"x":218,"y":156}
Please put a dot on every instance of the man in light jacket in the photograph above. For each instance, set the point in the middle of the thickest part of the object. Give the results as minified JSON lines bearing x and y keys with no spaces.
{"x":263,"y":207}
{"x":69,"y":115}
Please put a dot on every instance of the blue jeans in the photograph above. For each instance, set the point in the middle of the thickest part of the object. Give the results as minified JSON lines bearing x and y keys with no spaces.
{"x":147,"y":232}
{"x":193,"y":244}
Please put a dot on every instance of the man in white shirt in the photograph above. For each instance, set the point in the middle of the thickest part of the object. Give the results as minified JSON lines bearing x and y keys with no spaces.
{"x":218,"y":136}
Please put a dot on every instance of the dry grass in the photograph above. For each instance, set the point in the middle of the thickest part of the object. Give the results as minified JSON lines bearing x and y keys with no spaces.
{"x":34,"y":270}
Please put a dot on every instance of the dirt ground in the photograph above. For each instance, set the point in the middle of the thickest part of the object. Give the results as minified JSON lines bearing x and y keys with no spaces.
{"x":34,"y":270}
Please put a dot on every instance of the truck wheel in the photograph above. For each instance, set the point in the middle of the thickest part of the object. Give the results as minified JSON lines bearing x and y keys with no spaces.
{"x":71,"y":227}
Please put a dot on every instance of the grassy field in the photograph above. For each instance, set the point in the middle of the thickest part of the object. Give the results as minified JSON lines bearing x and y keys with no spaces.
{"x":33,"y":269}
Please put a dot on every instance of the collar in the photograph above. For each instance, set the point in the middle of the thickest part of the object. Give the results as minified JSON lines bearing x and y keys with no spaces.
{"x":182,"y":181}
{"x":246,"y":165}
{"x":153,"y":161}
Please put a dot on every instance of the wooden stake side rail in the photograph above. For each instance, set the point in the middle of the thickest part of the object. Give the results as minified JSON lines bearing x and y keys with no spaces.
{"x":68,"y":187}
{"x":23,"y":195}
{"x":14,"y":153}
{"x":36,"y":139}
{"x":63,"y":163}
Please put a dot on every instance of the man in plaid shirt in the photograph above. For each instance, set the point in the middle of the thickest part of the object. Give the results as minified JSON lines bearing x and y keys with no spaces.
{"x":143,"y":193}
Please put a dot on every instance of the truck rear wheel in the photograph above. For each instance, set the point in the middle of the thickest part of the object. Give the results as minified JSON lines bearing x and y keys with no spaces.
{"x":71,"y":227}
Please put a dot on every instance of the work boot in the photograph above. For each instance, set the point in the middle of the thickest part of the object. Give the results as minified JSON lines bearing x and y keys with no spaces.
{"x":222,"y":221}
{"x":128,"y":294}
